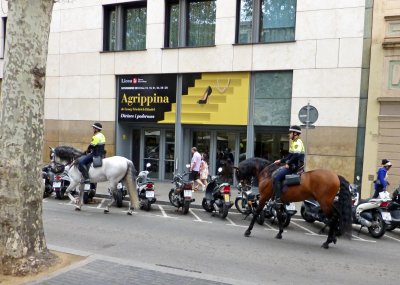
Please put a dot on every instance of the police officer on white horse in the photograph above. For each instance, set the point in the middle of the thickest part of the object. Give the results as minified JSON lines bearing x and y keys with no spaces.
{"x":96,"y":148}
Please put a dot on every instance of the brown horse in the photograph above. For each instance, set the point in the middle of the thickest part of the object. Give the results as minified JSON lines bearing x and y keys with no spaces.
{"x":322,"y":185}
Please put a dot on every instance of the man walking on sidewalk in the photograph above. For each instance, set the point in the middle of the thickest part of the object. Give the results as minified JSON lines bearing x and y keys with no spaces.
{"x":195,"y":166}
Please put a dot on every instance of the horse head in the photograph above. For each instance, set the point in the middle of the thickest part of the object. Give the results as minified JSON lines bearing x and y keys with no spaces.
{"x":252,"y":167}
{"x":65,"y":155}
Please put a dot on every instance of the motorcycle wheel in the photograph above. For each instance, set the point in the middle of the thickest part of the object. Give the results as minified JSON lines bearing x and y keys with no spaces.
{"x":171,"y":198}
{"x":240,"y":204}
{"x":85,"y":197}
{"x":304,"y":215}
{"x":118,"y":198}
{"x":390,"y":227}
{"x":378,"y":229}
{"x":185,"y":208}
{"x":205,"y":206}
{"x":59,"y":195}
{"x":261,"y":218}
{"x":287,"y":220}
{"x":145,"y":205}
{"x":223,"y":211}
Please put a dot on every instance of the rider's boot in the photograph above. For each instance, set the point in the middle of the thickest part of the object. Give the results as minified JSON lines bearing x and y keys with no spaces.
{"x":85,"y":174}
{"x":278,"y":192}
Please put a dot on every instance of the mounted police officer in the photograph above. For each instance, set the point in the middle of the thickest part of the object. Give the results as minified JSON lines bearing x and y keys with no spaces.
{"x":293,"y":161}
{"x":96,"y":148}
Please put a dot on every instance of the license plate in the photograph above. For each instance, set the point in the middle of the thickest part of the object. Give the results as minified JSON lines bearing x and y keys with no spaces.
{"x":227,"y":197}
{"x":119,"y":186}
{"x":386,"y":216}
{"x":56,"y":184}
{"x":149,"y":194}
{"x":86,"y":187}
{"x":187,"y":193}
{"x":291,"y":207}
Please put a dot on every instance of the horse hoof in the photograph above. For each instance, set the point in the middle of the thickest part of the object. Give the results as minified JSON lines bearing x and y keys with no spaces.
{"x":278,"y":236}
{"x":247,"y":233}
{"x":325,"y":245}
{"x":106,"y":211}
{"x":77,"y":209}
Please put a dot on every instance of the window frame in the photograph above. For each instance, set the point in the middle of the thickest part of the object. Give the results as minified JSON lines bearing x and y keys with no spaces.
{"x":120,"y":29}
{"x":183,"y":26}
{"x":257,"y":24}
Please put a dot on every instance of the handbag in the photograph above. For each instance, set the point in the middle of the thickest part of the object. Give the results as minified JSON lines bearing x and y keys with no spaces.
{"x":97,"y":161}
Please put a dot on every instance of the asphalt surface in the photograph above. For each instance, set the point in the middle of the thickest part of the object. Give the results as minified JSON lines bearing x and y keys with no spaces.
{"x":165,"y":247}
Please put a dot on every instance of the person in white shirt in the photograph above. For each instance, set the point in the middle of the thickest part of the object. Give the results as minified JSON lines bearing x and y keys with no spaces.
{"x":195,"y":166}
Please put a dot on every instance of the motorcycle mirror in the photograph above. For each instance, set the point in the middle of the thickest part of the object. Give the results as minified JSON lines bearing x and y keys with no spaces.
{"x":219,"y":169}
{"x":358,"y":178}
{"x":187,"y":165}
{"x":148,"y":164}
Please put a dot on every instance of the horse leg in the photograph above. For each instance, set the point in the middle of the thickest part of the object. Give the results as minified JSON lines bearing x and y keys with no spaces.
{"x":112,"y":200}
{"x":253,"y":220}
{"x":333,"y":223}
{"x":279,"y":214}
{"x":78,"y":202}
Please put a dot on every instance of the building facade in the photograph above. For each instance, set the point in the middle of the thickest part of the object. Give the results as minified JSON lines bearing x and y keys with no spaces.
{"x":382,"y":138}
{"x":226,"y":76}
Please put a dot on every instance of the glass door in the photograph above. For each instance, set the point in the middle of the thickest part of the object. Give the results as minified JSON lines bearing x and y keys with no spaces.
{"x":169,"y":154}
{"x":152,"y":151}
{"x":201,"y":140}
{"x":225,"y":158}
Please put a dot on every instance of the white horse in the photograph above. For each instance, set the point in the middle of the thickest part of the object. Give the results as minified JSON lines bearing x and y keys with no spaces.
{"x":113,"y":170}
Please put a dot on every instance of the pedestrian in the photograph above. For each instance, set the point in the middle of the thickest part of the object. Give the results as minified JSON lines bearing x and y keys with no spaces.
{"x":204,"y":171}
{"x":95,"y":148}
{"x":382,"y":176}
{"x":293,"y":161}
{"x":195,"y":167}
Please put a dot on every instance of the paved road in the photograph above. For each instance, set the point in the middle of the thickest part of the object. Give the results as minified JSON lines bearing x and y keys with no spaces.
{"x":199,"y":248}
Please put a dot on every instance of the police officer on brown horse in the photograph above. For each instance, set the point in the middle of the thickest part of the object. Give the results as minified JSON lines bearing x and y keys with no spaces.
{"x":293,"y":161}
{"x":95,"y":148}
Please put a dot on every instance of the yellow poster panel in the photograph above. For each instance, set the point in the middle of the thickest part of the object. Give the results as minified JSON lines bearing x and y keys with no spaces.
{"x":215,"y":99}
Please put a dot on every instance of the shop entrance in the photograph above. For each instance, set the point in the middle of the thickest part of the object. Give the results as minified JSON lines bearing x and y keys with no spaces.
{"x":221,"y":149}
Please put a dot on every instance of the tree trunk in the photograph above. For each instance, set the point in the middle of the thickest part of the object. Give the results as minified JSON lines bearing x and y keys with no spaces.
{"x":23,"y":246}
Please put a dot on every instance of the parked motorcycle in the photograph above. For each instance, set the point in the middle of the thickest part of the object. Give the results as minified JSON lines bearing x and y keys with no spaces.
{"x":246,"y":202}
{"x":61,"y":182}
{"x":48,"y":177}
{"x":391,"y":213}
{"x":368,"y":213}
{"x":89,"y":191}
{"x":145,"y":189}
{"x":218,"y":196}
{"x":289,"y":210}
{"x":181,"y":195}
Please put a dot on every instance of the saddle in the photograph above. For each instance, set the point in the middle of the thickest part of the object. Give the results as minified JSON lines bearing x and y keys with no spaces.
{"x":294,"y":179}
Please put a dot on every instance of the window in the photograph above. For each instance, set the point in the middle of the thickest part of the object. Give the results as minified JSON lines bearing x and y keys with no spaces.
{"x":266,"y":21}
{"x":125,"y":26}
{"x":195,"y":27}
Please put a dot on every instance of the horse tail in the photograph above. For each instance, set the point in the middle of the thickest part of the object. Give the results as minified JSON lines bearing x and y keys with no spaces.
{"x":130,"y":182}
{"x":345,"y":207}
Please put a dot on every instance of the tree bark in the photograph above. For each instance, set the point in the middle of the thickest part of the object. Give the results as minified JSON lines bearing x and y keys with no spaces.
{"x":23,"y":246}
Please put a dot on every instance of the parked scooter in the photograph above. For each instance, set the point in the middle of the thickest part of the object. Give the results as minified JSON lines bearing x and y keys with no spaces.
{"x":391,"y":213}
{"x":48,"y":177}
{"x":289,"y":210}
{"x":89,"y":191}
{"x":218,"y":196}
{"x":246,"y":201}
{"x":145,"y":189}
{"x":368,"y":213}
{"x":181,"y":195}
{"x":61,"y":182}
